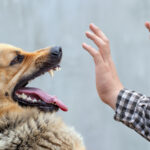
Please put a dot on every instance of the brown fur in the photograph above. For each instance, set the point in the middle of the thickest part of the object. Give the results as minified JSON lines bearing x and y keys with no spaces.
{"x":25,"y":128}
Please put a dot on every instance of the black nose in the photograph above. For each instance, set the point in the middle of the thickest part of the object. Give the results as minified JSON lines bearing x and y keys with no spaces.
{"x":56,"y":52}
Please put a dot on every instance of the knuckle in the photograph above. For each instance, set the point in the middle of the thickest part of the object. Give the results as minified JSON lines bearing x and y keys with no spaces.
{"x":97,"y":29}
{"x":107,"y":41}
{"x":96,"y":55}
{"x":90,"y":47}
{"x":104,"y":44}
{"x":107,"y":66}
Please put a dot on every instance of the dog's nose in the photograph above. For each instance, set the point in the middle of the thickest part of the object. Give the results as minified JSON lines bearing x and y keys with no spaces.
{"x":56,"y":51}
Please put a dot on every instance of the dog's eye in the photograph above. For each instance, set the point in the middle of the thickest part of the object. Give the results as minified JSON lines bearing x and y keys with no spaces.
{"x":17,"y":59}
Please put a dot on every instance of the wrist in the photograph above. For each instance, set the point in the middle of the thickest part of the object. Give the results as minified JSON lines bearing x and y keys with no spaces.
{"x":110,"y":98}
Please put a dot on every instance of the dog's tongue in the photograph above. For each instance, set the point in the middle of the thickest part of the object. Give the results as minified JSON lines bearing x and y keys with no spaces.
{"x":43,"y":96}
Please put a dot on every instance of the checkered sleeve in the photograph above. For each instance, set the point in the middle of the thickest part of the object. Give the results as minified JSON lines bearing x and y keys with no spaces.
{"x":133,"y":109}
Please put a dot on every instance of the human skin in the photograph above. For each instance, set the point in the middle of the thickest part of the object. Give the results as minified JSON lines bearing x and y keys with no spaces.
{"x":107,"y":81}
{"x":147,"y":24}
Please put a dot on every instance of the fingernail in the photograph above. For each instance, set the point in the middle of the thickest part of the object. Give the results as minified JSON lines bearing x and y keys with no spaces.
{"x":83,"y":44}
{"x":93,"y":24}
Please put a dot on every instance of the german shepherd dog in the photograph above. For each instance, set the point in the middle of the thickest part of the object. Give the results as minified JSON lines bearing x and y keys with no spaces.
{"x":27,"y":115}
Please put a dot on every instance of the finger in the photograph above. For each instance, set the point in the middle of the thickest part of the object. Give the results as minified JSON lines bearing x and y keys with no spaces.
{"x":147,"y":24}
{"x":98,"y":41}
{"x":98,"y":32}
{"x":90,"y":49}
{"x":104,"y":51}
{"x":94,"y":53}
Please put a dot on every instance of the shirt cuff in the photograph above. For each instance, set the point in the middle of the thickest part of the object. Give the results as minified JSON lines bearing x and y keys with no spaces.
{"x":133,"y":109}
{"x":127,"y":102}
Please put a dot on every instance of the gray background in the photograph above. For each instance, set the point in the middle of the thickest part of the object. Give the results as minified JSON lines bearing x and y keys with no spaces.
{"x":34,"y":24}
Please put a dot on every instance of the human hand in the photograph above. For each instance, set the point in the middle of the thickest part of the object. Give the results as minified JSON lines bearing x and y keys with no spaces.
{"x":107,"y":82}
{"x":147,"y":25}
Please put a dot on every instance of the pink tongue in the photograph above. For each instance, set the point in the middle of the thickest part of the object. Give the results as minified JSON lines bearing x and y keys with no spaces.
{"x":43,"y":96}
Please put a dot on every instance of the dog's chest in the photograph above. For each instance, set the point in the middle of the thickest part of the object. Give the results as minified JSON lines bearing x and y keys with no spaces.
{"x":37,"y":131}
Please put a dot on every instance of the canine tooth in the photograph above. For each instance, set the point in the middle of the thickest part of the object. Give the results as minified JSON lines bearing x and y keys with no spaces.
{"x":51,"y":73}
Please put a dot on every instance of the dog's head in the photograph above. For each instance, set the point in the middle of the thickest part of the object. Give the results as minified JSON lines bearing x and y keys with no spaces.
{"x":18,"y":67}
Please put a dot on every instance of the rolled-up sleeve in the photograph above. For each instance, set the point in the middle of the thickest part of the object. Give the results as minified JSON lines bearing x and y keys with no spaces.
{"x":133,"y":109}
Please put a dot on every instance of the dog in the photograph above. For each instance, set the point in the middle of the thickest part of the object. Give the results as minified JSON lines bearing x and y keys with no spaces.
{"x":27,"y":115}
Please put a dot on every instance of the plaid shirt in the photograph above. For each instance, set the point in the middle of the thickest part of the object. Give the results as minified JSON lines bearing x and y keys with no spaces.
{"x":133,"y":109}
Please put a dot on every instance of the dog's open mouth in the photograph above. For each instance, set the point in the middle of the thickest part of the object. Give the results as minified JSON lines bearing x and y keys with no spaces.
{"x":35,"y":97}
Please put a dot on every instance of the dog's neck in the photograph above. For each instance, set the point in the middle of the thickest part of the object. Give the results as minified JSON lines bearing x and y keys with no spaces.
{"x":6,"y":107}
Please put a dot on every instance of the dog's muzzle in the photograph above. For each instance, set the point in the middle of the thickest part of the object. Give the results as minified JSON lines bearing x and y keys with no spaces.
{"x":56,"y":52}
{"x":35,"y":97}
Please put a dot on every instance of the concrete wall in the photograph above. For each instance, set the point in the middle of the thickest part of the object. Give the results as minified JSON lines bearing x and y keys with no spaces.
{"x":34,"y":24}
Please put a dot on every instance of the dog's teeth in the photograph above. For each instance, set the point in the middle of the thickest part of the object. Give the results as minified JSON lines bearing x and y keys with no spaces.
{"x":51,"y":73}
{"x":59,"y":68}
{"x":18,"y":95}
{"x":39,"y":100}
{"x":34,"y":100}
{"x":29,"y":98}
{"x":24,"y":96}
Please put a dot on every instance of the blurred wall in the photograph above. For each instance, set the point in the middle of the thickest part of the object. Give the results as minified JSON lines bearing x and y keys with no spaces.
{"x":32,"y":24}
